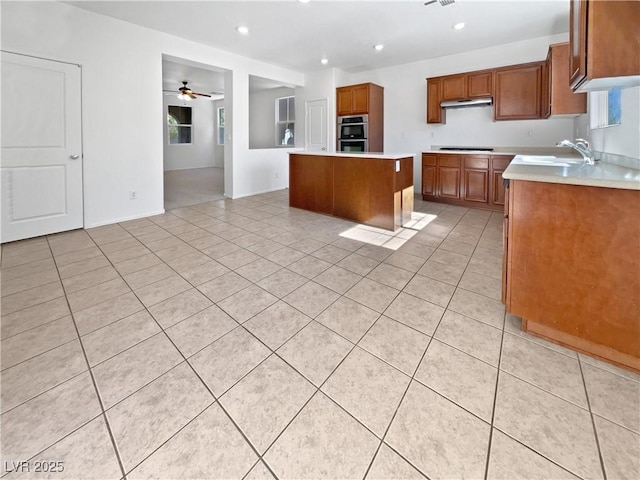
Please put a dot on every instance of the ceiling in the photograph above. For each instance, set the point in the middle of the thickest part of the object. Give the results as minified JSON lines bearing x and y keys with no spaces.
{"x":297,"y":35}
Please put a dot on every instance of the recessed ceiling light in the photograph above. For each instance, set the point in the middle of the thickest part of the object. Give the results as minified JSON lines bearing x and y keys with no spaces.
{"x":378,"y":47}
{"x":304,"y":1}
{"x":242,"y":29}
{"x":459,"y":26}
{"x":324,"y":61}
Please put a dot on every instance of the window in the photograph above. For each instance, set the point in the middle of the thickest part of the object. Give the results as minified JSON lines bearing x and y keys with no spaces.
{"x":604,"y":108}
{"x":220,"y":125}
{"x":285,"y":120}
{"x":179,"y":125}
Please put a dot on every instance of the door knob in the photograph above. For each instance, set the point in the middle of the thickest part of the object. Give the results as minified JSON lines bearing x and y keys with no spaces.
{"x":74,"y":157}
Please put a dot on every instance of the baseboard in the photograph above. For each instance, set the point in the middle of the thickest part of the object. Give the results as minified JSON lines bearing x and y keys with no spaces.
{"x":123,"y":219}
{"x":256,"y":193}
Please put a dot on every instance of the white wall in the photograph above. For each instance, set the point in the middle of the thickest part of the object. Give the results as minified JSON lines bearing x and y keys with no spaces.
{"x":200,"y":153}
{"x":405,"y":127}
{"x":320,"y":85}
{"x":122,"y":132}
{"x":262,"y":117}
{"x":623,"y":139}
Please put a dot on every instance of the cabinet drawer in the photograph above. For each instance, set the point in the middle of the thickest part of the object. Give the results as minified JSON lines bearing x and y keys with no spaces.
{"x":476,"y":162}
{"x":448,"y":161}
{"x":429,"y":160}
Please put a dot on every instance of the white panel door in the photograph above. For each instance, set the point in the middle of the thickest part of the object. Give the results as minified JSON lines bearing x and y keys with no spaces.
{"x":41,"y":163}
{"x":316,"y":125}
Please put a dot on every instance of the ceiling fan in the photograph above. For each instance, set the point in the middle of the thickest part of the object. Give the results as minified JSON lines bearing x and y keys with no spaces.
{"x":443,"y":3}
{"x":185,"y":93}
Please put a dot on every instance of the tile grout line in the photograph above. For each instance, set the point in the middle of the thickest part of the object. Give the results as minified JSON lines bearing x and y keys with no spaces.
{"x":93,"y":380}
{"x":495,"y":400}
{"x":537,"y":453}
{"x":593,"y":422}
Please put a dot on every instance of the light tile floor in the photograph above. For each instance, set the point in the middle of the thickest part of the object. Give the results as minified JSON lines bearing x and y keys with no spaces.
{"x":246,"y":339}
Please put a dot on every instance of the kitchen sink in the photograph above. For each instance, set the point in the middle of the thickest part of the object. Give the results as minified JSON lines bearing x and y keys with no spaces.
{"x":545,"y":161}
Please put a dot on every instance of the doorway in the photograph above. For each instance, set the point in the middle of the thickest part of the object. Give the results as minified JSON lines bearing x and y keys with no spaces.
{"x":193,"y":153}
{"x":316,"y":134}
{"x":41,"y":162}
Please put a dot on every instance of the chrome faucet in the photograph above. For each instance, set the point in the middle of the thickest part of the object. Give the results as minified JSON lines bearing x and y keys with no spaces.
{"x":581,"y":146}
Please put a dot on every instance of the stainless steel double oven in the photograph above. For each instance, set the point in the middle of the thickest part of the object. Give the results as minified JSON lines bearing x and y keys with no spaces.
{"x":353,"y":133}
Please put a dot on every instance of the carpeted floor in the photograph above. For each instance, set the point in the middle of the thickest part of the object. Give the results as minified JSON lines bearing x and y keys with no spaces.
{"x":190,"y":187}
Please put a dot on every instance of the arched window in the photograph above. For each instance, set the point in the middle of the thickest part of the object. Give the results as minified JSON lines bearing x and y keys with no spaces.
{"x":179,"y":125}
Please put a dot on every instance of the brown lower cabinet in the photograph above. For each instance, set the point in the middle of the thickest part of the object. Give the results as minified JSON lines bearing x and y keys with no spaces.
{"x":572,"y":267}
{"x":448,"y":177}
{"x":464,"y":179}
{"x":368,"y":190}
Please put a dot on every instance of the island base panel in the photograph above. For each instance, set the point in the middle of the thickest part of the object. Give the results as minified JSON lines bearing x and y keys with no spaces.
{"x":581,"y":345}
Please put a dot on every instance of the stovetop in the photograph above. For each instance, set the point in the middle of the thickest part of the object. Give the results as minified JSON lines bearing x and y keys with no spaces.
{"x":466,"y":149}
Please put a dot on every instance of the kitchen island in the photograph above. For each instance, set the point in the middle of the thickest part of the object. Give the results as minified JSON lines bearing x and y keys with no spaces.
{"x":370,"y":188}
{"x":572,"y":254}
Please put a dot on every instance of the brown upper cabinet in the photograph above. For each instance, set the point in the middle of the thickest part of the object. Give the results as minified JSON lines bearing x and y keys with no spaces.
{"x":480,"y":84}
{"x":467,"y":85}
{"x":605,"y":41}
{"x":364,"y":99}
{"x":354,"y":99}
{"x":518,"y":92}
{"x":435,"y":113}
{"x":454,"y":87}
{"x":560,"y":99}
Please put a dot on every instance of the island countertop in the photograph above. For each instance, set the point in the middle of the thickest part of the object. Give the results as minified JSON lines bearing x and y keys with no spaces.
{"x":376,"y":155}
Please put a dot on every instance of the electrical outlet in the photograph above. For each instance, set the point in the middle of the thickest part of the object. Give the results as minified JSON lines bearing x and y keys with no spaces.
{"x":530,"y":133}
{"x":275,"y":175}
{"x":133,"y":195}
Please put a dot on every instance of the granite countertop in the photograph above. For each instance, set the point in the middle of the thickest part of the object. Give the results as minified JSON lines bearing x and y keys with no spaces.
{"x":602,"y":174}
{"x":377,"y":155}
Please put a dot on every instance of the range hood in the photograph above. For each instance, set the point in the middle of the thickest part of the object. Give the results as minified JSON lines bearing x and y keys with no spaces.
{"x":474,"y":102}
